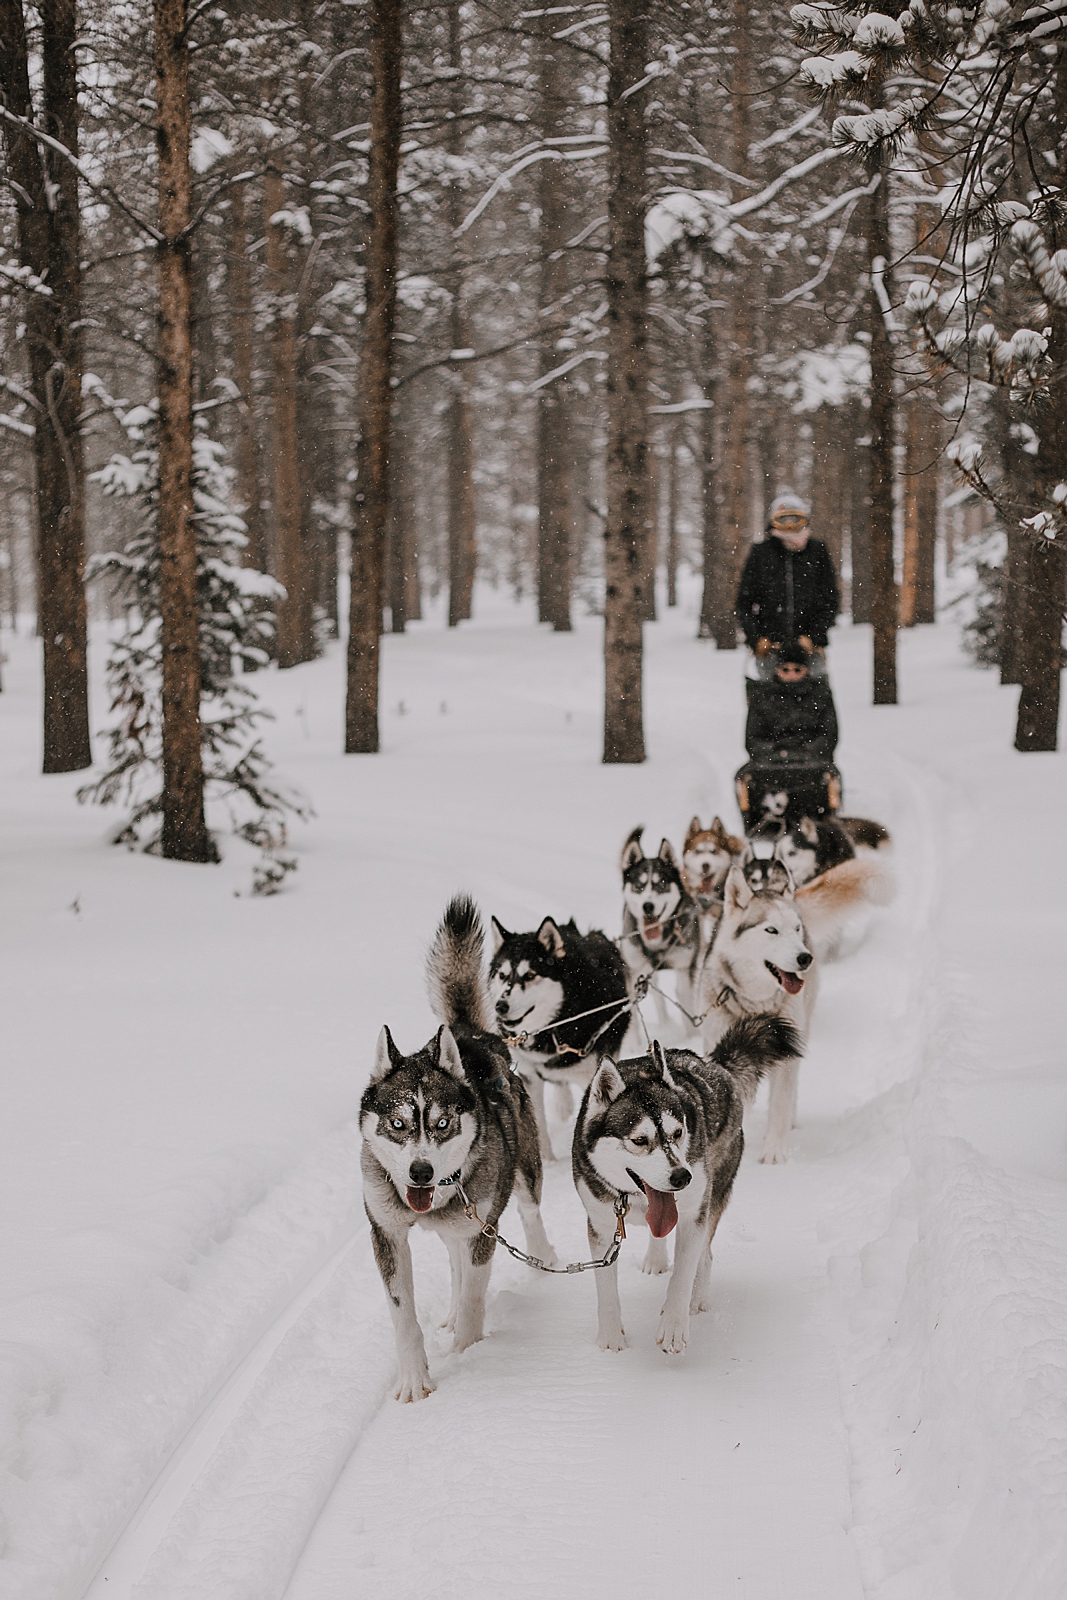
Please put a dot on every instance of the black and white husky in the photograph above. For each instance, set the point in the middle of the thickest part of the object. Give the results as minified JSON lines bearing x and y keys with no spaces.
{"x":452,"y":1111}
{"x":538,"y":982}
{"x":660,"y":922}
{"x":811,"y":847}
{"x":664,"y":1131}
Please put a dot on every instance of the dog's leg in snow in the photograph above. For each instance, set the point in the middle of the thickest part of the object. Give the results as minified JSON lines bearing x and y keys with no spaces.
{"x":781,"y":1112}
{"x":457,"y":1247}
{"x":698,"y":1300}
{"x":691,"y":1243}
{"x":533,"y":1225}
{"x":657,"y":1259}
{"x":477,"y":1265}
{"x":536,"y":1087}
{"x":610,"y":1334}
{"x":393,"y":1255}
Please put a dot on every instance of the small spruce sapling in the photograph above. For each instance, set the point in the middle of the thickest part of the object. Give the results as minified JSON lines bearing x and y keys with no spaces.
{"x":236,"y":628}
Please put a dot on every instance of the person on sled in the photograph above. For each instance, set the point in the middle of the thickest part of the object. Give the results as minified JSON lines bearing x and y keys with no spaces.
{"x":788,"y":590}
{"x":791,"y":716}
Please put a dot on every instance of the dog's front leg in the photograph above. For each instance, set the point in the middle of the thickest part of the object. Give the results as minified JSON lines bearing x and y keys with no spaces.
{"x":610,"y":1333}
{"x":477,"y":1262}
{"x":457,"y":1247}
{"x":691,"y":1242}
{"x":393,"y":1255}
{"x":536,"y":1088}
{"x":656,"y":1259}
{"x":781,"y":1112}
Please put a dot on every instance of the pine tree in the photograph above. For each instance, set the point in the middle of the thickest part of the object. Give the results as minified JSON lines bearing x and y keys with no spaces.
{"x":235,"y":631}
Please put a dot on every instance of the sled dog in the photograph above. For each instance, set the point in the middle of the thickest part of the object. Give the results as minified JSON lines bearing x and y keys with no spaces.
{"x":811,"y":847}
{"x":661,"y":925}
{"x":664,"y":1131}
{"x":452,"y":1111}
{"x":865,"y":835}
{"x":537,"y":982}
{"x":829,"y":903}
{"x":761,"y":962}
{"x":707,"y":856}
{"x":765,"y":872}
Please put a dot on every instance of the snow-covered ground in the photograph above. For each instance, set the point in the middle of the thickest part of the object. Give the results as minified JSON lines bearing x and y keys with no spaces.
{"x":196,"y":1351}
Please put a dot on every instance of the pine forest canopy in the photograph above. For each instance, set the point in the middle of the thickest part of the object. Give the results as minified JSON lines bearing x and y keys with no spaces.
{"x":554,"y":298}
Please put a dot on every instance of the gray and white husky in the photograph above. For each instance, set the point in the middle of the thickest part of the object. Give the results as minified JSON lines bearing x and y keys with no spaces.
{"x":761,"y":963}
{"x":452,"y":1111}
{"x":664,"y":1130}
{"x":660,"y":922}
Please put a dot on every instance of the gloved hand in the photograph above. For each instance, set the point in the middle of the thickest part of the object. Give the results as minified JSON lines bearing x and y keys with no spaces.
{"x":805,"y":644}
{"x":763,"y":647}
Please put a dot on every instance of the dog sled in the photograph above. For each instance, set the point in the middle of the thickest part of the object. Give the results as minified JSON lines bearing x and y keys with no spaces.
{"x":790,"y":773}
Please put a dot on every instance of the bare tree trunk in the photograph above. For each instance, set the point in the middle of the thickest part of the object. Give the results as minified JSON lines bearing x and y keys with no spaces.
{"x":185,"y":835}
{"x":294,"y":637}
{"x":711,"y":531}
{"x":627,"y":519}
{"x":554,"y":532}
{"x":676,"y":436}
{"x":45,"y":188}
{"x":372,"y":498}
{"x":242,"y":332}
{"x":462,"y":533}
{"x":883,"y":425}
{"x":829,"y":481}
{"x":401,"y":526}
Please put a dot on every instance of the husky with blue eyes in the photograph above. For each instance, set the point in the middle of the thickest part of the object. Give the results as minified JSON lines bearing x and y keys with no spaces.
{"x":452,"y":1115}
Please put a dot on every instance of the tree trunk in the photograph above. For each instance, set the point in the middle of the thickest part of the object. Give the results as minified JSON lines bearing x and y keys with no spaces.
{"x":554,"y":534}
{"x":829,"y":482}
{"x":676,"y":436}
{"x":401,"y":527}
{"x":242,"y":332}
{"x":711,"y":531}
{"x":882,"y":423}
{"x":45,"y":189}
{"x":294,"y":637}
{"x":921,"y":462}
{"x":627,"y":291}
{"x":462,"y":533}
{"x":375,"y":432}
{"x":185,"y":835}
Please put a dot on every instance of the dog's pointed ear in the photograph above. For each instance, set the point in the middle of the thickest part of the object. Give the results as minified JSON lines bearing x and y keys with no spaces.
{"x":448,"y":1056}
{"x":809,"y":830}
{"x":666,"y":853}
{"x":632,"y":851}
{"x":659,"y":1056}
{"x":386,"y":1057}
{"x":738,"y":891}
{"x":500,"y":934}
{"x":722,"y":838}
{"x":549,"y":935}
{"x":607,"y":1085}
{"x":747,"y":855}
{"x":693,"y":830}
{"x":780,"y":879}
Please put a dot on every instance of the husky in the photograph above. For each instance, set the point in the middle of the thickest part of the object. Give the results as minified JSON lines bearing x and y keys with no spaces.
{"x":865,"y":835}
{"x":453,"y":1114}
{"x":660,"y":925}
{"x":707,"y":856}
{"x":538,"y":981}
{"x":664,"y":1131}
{"x":829,"y":903}
{"x":812,"y":847}
{"x":765,"y":873}
{"x":760,"y":963}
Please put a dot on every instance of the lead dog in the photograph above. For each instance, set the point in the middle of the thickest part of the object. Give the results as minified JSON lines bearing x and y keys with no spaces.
{"x":707,"y":856}
{"x":452,"y":1111}
{"x":664,"y":1131}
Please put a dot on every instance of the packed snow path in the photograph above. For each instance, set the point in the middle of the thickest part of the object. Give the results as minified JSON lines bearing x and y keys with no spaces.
{"x":204,"y":1388}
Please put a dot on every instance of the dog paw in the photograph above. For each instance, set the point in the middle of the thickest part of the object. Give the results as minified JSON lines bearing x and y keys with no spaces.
{"x":616,"y":1340}
{"x":656,"y":1258}
{"x":464,"y":1338}
{"x":673,"y":1334}
{"x":698,"y":1304}
{"x":775,"y":1156}
{"x":414,"y":1386}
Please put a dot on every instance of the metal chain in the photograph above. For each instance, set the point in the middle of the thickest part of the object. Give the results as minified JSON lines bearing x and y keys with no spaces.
{"x":608,"y":1259}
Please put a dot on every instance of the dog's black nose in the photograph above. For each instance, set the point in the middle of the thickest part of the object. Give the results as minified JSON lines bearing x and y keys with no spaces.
{"x":804,"y":961}
{"x":648,"y":908}
{"x":681,"y":1177}
{"x":502,"y":1008}
{"x":421,"y":1174}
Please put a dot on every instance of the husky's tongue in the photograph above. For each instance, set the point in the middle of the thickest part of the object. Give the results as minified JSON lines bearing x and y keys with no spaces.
{"x":791,"y":982}
{"x":662,"y":1215}
{"x":653,"y":932}
{"x":420,"y":1199}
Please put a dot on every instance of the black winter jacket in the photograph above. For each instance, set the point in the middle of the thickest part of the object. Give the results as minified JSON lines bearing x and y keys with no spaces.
{"x":791,"y":719}
{"x":785,"y":594}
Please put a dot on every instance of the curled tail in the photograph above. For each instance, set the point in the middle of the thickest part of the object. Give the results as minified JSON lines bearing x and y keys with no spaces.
{"x":754,"y":1045}
{"x":454,"y":974}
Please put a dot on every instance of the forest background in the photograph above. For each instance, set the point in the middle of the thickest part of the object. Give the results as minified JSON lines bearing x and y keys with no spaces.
{"x":373,"y":298}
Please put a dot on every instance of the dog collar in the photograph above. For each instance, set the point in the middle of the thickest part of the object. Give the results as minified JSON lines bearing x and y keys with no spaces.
{"x":449,"y":1183}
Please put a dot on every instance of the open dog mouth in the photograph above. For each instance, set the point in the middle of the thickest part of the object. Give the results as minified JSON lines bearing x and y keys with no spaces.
{"x":651,"y":932}
{"x":791,"y":982}
{"x":420,"y":1199}
{"x":513,"y":1022}
{"x":662,"y":1214}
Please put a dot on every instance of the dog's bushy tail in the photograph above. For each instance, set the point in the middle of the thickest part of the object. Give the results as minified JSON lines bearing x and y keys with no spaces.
{"x":454,"y":973}
{"x":753,"y":1045}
